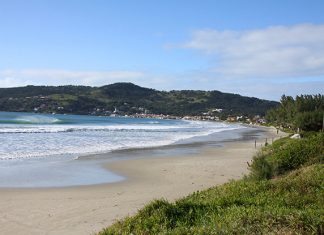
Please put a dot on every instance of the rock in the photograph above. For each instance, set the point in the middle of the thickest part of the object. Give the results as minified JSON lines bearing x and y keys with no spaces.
{"x":295,"y":136}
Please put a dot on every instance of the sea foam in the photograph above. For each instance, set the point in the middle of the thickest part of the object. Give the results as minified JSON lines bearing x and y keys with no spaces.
{"x":32,"y":136}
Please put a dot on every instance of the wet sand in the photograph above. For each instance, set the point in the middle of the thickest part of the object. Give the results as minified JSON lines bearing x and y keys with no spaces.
{"x":88,"y":209}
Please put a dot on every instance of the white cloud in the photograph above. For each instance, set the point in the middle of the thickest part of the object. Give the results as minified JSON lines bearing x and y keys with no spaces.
{"x":264,"y":63}
{"x":273,"y":91}
{"x":279,"y":51}
{"x":12,"y":82}
{"x":12,"y":78}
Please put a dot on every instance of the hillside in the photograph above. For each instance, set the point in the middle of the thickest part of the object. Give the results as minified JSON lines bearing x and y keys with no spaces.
{"x":127,"y":98}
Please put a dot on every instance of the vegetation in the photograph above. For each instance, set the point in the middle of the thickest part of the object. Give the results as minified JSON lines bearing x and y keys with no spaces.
{"x":305,"y":112}
{"x":284,"y":194}
{"x":288,"y":154}
{"x":127,"y":98}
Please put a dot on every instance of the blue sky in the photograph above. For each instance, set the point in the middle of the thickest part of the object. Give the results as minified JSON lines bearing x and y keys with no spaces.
{"x":254,"y":48}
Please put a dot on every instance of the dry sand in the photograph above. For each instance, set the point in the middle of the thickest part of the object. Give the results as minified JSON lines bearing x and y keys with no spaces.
{"x":88,"y":209}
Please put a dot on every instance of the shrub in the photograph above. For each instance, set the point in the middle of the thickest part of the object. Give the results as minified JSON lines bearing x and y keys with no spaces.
{"x":261,"y":168}
{"x":287,"y":154}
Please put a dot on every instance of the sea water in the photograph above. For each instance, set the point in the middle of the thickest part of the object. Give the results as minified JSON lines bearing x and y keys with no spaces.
{"x":34,"y":148}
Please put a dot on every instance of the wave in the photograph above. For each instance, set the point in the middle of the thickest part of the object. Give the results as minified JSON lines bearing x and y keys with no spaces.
{"x":33,"y":119}
{"x":68,"y":128}
{"x":38,"y":119}
{"x":153,"y":122}
{"x":25,"y":136}
{"x":89,"y":146}
{"x":191,"y":127}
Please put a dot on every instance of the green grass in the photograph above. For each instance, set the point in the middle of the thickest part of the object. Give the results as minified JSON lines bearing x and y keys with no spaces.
{"x":290,"y":203}
{"x":288,"y":154}
{"x":63,"y":99}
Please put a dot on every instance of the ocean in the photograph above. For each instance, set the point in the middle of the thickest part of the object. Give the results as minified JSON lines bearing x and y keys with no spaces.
{"x":34,"y":145}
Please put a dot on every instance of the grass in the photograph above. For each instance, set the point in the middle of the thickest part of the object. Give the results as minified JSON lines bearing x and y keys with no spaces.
{"x":287,"y":154}
{"x":290,"y":202}
{"x":64,"y":99}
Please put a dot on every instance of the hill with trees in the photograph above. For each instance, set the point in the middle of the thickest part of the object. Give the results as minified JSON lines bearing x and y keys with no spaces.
{"x":128,"y":98}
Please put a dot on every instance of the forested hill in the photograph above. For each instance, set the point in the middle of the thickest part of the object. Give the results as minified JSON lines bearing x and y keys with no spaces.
{"x":127,"y":98}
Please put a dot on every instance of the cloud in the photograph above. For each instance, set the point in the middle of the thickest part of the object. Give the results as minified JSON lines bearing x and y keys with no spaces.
{"x":254,"y":87}
{"x":272,"y":90}
{"x":12,"y":78}
{"x":275,"y":52}
{"x":265,"y":63}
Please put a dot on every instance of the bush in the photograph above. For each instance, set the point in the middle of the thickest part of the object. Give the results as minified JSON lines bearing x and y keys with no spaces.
{"x":261,"y":168}
{"x":286,"y":155}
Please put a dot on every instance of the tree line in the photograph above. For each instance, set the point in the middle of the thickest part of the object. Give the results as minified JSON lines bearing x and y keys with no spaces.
{"x":304,"y":113}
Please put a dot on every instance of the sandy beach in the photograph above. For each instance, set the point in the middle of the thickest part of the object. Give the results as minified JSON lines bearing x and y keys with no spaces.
{"x":88,"y":209}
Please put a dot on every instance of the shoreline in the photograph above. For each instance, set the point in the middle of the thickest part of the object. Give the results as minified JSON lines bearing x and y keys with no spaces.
{"x":64,"y":171}
{"x":88,"y":209}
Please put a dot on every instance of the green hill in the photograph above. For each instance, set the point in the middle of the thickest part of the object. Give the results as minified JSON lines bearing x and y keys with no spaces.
{"x":128,"y":99}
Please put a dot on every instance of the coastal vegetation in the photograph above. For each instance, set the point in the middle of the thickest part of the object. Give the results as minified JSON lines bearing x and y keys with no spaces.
{"x":288,"y":154}
{"x":284,"y":194}
{"x":128,"y":99}
{"x":305,"y":112}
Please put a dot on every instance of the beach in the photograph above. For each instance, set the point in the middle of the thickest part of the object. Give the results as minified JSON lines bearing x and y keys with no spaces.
{"x":88,"y":209}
